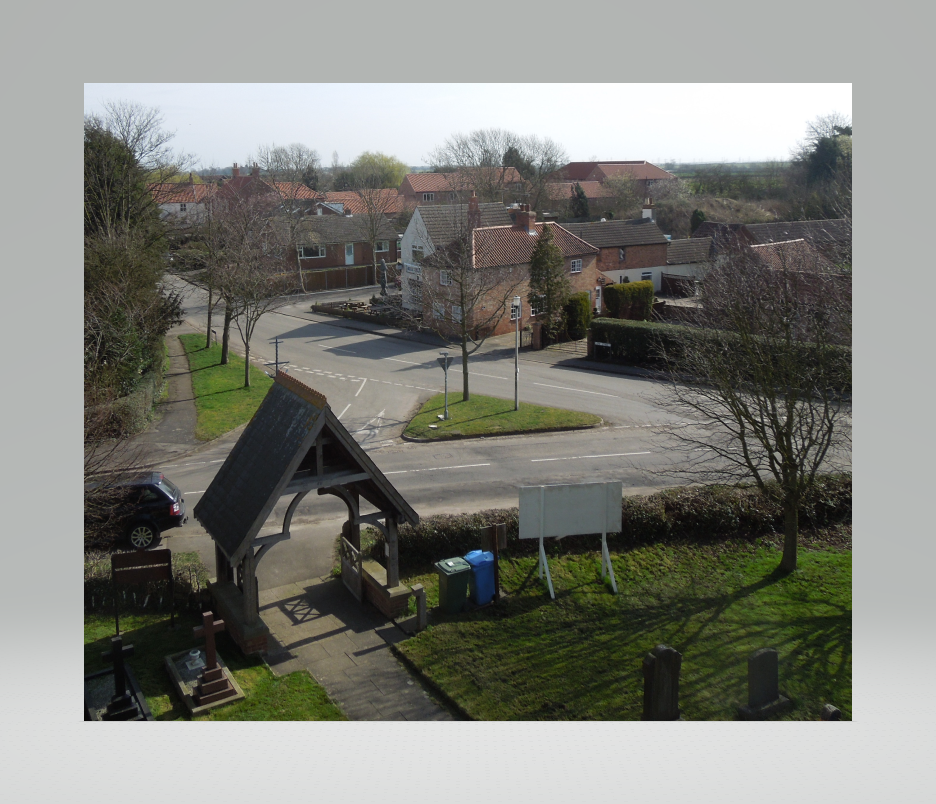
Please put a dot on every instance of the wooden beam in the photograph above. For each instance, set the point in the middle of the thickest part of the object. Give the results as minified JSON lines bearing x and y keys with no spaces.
{"x":312,"y":482}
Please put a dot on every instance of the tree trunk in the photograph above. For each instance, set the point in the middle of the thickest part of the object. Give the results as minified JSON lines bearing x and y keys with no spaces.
{"x":247,"y":364}
{"x":208,"y":330}
{"x":226,"y":335}
{"x":464,"y":350}
{"x":790,"y":533}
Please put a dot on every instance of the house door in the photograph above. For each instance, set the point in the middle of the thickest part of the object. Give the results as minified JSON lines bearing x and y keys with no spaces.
{"x":349,"y":254}
{"x":598,"y":299}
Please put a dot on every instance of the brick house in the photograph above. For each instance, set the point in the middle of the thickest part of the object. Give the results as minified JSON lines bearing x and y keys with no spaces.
{"x":451,"y":188}
{"x":182,"y":201}
{"x":832,"y":238}
{"x":502,"y":246}
{"x":333,"y":241}
{"x":635,"y":249}
{"x":645,"y":173}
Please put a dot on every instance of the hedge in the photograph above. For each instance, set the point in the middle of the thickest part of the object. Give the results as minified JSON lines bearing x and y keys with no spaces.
{"x":694,"y":514}
{"x":630,"y":299}
{"x":578,"y":315}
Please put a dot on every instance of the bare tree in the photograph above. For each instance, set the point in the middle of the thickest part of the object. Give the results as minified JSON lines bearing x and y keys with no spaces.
{"x":254,"y":243}
{"x":377,"y":205}
{"x":463,"y":293}
{"x":475,"y":162}
{"x":625,"y":198}
{"x":766,"y":373}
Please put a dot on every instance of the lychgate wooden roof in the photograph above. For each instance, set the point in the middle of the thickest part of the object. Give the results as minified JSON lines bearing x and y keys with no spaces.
{"x":294,"y":443}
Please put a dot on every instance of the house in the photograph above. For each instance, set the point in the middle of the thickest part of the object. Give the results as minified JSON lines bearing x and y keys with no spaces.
{"x":450,"y":188}
{"x":296,"y":198}
{"x":633,"y":249}
{"x":560,"y":194}
{"x":333,"y":241}
{"x":645,"y":173}
{"x":182,"y":201}
{"x":497,"y":245}
{"x":434,"y":227}
{"x":348,"y":202}
{"x":686,"y":263}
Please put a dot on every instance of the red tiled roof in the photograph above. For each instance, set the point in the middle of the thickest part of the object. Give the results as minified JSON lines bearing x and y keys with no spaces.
{"x":449,"y":182}
{"x":390,"y":201}
{"x":792,"y":255}
{"x":639,"y":170}
{"x":179,"y":193}
{"x":577,"y":171}
{"x":512,"y":245}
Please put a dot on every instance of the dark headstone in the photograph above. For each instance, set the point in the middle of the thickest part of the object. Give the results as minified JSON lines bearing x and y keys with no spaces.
{"x":830,"y":712}
{"x":764,"y":696}
{"x":661,"y":668}
{"x":125,"y":703}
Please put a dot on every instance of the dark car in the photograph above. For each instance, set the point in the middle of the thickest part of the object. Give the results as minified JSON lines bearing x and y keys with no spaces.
{"x":139,"y":510}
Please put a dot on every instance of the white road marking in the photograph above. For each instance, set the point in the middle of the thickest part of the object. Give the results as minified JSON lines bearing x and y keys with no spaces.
{"x":344,"y":411}
{"x":220,"y":460}
{"x":194,"y":492}
{"x":489,"y":376}
{"x":362,"y":386}
{"x":574,"y":390}
{"x":580,"y":457}
{"x":437,"y":468}
{"x":196,"y":463}
{"x":397,"y":360}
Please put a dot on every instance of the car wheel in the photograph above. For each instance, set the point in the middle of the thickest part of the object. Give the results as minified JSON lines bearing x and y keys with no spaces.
{"x":143,"y":535}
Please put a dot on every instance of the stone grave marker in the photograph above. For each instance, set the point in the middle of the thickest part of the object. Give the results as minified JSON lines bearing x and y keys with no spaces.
{"x":661,"y":668}
{"x":114,"y":694}
{"x":830,"y":712}
{"x":764,"y":698}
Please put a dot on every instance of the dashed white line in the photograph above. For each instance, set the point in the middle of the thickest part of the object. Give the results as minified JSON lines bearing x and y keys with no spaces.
{"x":574,"y":390}
{"x":362,"y":386}
{"x":437,"y":468}
{"x":580,"y":457}
{"x":489,"y":376}
{"x":194,"y":492}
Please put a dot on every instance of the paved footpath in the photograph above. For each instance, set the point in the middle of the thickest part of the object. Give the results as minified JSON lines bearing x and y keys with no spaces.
{"x":317,"y":625}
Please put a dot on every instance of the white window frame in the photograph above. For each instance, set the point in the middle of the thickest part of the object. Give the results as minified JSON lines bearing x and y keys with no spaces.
{"x":182,"y":207}
{"x":535,"y":308}
{"x":415,"y":270}
{"x":445,"y":278}
{"x":399,"y":246}
{"x":457,"y":313}
{"x":382,"y":246}
{"x":576,"y":266}
{"x":428,"y":196}
{"x":438,"y":311}
{"x":322,"y":251}
{"x":418,"y":253}
{"x":646,"y":276}
{"x":513,"y":312}
{"x":622,"y":254}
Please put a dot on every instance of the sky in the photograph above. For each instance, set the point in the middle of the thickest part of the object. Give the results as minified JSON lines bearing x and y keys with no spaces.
{"x":224,"y":123}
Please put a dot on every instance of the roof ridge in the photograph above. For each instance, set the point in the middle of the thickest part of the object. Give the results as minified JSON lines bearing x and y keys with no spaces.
{"x":301,"y":390}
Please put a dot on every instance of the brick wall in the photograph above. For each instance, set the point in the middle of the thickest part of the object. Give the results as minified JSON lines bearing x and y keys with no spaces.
{"x":609,"y":259}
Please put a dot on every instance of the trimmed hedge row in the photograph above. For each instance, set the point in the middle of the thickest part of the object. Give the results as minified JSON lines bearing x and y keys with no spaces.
{"x":630,"y":298}
{"x":695,"y":514}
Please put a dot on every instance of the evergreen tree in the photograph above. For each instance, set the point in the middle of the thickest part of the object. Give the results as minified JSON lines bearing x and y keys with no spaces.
{"x":697,"y":219}
{"x":579,"y":204}
{"x":550,"y":287}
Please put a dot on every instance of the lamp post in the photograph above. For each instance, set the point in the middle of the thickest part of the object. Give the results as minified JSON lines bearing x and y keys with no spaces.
{"x":445,"y":360}
{"x":516,"y":311}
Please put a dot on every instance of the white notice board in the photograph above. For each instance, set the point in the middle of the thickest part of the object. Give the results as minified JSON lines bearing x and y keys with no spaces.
{"x":567,"y":510}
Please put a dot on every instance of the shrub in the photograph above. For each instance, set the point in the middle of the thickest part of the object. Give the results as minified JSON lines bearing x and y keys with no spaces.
{"x":578,"y":315}
{"x":630,"y":300}
{"x":695,"y":514}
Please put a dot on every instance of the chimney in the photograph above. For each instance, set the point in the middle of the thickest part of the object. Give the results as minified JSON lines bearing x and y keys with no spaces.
{"x":474,"y":212}
{"x":526,"y":219}
{"x":648,"y":209}
{"x":255,"y":171}
{"x":235,"y":171}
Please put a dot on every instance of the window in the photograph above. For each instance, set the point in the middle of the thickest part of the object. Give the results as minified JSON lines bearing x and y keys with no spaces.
{"x":536,"y":305}
{"x":576,"y":266}
{"x":513,"y":311}
{"x":622,"y":254}
{"x":438,"y":310}
{"x":310,"y":252}
{"x":645,"y":275}
{"x":428,"y":196}
{"x":417,"y":253}
{"x":383,"y":245}
{"x":452,"y":196}
{"x":456,"y":313}
{"x":399,"y":244}
{"x":415,"y":270}
{"x":445,"y":278}
{"x":183,"y":207}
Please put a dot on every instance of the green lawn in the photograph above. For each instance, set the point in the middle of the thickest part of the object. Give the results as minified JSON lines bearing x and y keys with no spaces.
{"x":221,"y":400}
{"x":292,"y":697}
{"x":579,"y":657}
{"x":486,"y":415}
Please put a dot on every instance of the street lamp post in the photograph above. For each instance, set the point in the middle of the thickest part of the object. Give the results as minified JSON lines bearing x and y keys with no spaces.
{"x":444,"y":361}
{"x":516,"y":311}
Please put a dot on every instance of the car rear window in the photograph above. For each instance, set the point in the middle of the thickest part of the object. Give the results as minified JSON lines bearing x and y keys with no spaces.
{"x":170,"y":488}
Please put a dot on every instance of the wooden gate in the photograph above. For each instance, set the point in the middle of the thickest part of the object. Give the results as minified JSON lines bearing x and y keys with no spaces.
{"x":351,"y":568}
{"x":677,"y":285}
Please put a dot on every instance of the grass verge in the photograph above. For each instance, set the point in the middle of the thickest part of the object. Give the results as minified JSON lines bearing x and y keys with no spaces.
{"x":296,"y":696}
{"x":486,"y":415}
{"x":579,"y":657}
{"x":221,"y":400}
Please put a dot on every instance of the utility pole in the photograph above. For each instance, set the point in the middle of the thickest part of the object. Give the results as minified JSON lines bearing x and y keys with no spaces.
{"x":445,"y":361}
{"x":515,"y":309}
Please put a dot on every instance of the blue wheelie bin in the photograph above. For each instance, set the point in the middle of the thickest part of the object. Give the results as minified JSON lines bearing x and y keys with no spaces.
{"x":481,"y":583}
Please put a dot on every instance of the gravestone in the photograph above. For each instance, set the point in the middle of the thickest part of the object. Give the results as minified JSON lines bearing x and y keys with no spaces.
{"x":114,"y":694}
{"x":213,"y":684}
{"x":764,"y":698}
{"x":661,"y":668}
{"x":830,"y":712}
